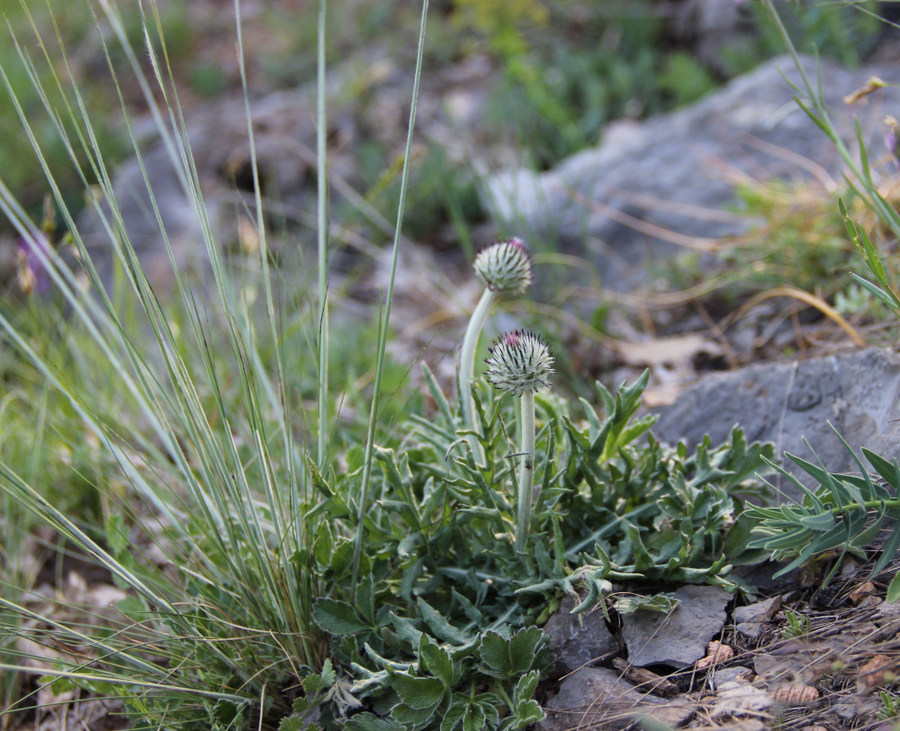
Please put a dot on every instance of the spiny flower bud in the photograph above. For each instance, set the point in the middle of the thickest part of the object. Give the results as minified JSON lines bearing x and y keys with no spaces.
{"x":519,"y":361}
{"x":505,"y":266}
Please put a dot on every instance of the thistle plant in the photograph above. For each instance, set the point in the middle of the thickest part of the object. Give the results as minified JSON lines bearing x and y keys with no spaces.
{"x":520,"y":363}
{"x":503,"y":268}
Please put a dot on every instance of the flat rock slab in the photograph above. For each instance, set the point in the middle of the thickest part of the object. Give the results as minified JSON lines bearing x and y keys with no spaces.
{"x":598,"y":698}
{"x":660,"y":186}
{"x":677,"y":638}
{"x":857,"y":392}
{"x":578,"y":640}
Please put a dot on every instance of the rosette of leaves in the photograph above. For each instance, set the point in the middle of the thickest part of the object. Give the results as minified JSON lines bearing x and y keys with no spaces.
{"x":445,"y":594}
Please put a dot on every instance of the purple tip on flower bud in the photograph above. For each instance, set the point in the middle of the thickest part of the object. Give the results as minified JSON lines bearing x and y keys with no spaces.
{"x":505,"y":266}
{"x":519,"y":361}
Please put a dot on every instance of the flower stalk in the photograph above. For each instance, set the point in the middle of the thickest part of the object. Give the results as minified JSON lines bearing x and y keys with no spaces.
{"x":504,"y":267}
{"x":519,"y":363}
{"x":467,"y":369}
{"x":526,"y":469}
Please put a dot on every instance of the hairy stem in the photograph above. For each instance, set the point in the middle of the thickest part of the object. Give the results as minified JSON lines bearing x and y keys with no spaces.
{"x":467,"y":370}
{"x":526,"y":469}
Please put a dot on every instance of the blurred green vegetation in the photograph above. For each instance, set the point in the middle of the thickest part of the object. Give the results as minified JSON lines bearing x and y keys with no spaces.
{"x":30,"y":44}
{"x":800,"y":241}
{"x":566,"y":67}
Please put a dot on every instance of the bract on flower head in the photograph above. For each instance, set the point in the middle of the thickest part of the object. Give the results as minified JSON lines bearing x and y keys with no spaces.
{"x":519,"y":361}
{"x":505,"y":266}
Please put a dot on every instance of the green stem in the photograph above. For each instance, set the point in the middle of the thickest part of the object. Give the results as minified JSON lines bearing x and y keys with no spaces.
{"x":322,"y":201}
{"x":384,"y":320}
{"x":880,"y":505}
{"x":837,"y":511}
{"x":526,"y":469}
{"x":467,"y":370}
{"x":873,"y":198}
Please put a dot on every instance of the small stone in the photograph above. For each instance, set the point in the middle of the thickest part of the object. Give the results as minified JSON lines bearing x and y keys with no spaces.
{"x":850,"y":568}
{"x":759,"y":612}
{"x":750,"y":629}
{"x":730,"y":675}
{"x":861,"y":592}
{"x":870,"y":602}
{"x":677,"y":638}
{"x":879,"y":670}
{"x":716,"y":653}
{"x":889,"y":610}
{"x":796,"y":695}
{"x":578,"y":640}
{"x":737,"y":698}
{"x":855,"y":707}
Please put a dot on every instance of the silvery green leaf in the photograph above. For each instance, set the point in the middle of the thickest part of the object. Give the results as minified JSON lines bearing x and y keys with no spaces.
{"x":818,"y":522}
{"x":337,"y":617}
{"x":413,"y":718}
{"x":370,"y":722}
{"x":436,"y":660}
{"x":439,"y":625}
{"x":417,"y":693}
{"x":890,"y":471}
{"x":629,"y":603}
{"x":508,"y":658}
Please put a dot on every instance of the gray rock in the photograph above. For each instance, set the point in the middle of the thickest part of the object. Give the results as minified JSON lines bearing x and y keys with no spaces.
{"x":578,"y":640}
{"x":136,"y":208}
{"x":857,"y":392}
{"x":678,"y":638}
{"x":758,"y":612}
{"x":652,"y":188}
{"x":734,"y":674}
{"x":751,"y":620}
{"x":217,"y":137}
{"x":889,"y":610}
{"x":598,"y":698}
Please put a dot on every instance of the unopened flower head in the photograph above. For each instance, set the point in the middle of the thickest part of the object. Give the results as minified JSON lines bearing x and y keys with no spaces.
{"x":505,"y":266}
{"x":519,"y":361}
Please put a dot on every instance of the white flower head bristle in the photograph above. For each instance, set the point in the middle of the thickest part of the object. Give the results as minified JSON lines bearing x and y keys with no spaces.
{"x":519,"y":361}
{"x":505,"y":266}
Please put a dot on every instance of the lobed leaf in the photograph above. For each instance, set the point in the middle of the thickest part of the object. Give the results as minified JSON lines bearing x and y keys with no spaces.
{"x":337,"y":618}
{"x":419,"y":694}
